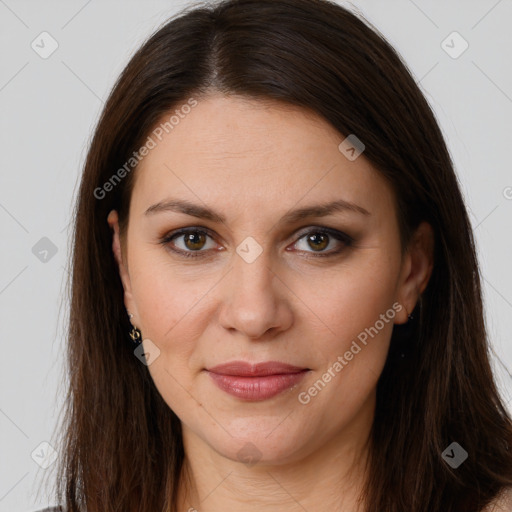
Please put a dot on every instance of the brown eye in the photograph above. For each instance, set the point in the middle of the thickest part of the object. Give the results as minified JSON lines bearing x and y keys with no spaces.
{"x":318,"y":241}
{"x":188,"y":242}
{"x":195,"y":240}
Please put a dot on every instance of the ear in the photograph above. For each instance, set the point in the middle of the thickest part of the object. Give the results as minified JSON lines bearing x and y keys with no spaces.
{"x":113,"y":222}
{"x":416,"y":270}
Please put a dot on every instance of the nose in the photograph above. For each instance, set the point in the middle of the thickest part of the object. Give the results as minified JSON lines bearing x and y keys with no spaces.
{"x":255,"y":299}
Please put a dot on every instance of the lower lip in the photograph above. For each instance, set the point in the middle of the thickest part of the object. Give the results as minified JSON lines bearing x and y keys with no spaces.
{"x":257,"y":388}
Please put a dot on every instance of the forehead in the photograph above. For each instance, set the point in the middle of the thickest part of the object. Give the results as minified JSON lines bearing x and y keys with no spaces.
{"x":260,"y":155}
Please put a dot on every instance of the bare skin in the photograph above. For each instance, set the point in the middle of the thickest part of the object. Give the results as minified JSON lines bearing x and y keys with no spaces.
{"x":252,"y":163}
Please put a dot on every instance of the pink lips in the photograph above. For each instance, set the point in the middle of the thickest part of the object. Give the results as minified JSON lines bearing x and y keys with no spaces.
{"x":258,"y":381}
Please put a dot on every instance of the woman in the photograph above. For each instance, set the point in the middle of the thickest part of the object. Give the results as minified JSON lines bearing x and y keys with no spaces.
{"x":276,"y":302}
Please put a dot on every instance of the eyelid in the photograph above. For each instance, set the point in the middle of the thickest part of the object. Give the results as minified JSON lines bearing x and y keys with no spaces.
{"x":320,"y":229}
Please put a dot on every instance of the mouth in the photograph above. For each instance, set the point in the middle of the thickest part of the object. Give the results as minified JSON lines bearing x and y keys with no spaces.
{"x":256,"y":381}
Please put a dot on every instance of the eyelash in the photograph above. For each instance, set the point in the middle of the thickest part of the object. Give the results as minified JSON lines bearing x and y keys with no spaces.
{"x":338,"y":235}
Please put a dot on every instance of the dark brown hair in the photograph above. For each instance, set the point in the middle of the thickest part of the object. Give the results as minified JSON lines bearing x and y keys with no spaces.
{"x":123,"y":448}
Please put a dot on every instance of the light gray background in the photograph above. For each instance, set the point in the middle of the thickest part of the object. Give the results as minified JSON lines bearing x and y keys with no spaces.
{"x":49,"y":108}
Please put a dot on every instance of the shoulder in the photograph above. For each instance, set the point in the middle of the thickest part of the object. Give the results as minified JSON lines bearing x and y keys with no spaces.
{"x":502,"y":502}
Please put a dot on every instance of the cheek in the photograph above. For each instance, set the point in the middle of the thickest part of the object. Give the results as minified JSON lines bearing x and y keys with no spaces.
{"x":172,"y":316}
{"x":346,"y":300}
{"x":163,"y":294}
{"x":358,"y":316}
{"x":353,"y":319}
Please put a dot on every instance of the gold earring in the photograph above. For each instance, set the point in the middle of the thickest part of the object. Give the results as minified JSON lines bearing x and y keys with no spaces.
{"x":135,"y":333}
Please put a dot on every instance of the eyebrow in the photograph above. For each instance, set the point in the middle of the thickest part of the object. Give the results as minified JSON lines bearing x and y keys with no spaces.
{"x":202,"y":212}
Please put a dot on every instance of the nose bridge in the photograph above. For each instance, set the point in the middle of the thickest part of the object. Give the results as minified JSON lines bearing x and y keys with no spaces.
{"x":252,"y":275}
{"x":252,"y":262}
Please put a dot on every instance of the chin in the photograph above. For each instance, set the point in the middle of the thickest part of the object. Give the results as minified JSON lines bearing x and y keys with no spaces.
{"x":261,"y":444}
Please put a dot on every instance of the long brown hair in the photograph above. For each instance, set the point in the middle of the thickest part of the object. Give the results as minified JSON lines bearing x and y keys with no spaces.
{"x":122,"y":443}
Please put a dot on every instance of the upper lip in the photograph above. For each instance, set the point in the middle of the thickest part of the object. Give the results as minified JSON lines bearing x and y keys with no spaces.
{"x":245,"y":369}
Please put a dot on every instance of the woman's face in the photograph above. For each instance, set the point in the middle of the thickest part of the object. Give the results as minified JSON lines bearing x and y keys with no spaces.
{"x":260,"y":279}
